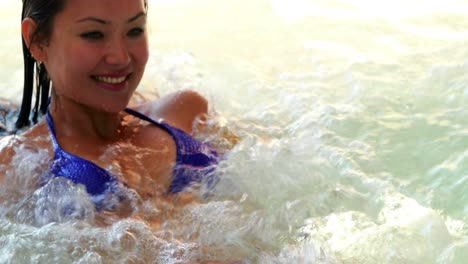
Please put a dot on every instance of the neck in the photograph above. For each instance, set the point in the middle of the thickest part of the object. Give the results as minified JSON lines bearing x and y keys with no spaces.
{"x":72,"y":120}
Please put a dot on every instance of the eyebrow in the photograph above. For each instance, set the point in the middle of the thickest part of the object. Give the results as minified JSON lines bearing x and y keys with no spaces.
{"x":141,"y":14}
{"x":104,"y":22}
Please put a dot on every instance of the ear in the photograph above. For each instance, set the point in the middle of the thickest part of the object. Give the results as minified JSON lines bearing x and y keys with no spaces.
{"x":36,"y":46}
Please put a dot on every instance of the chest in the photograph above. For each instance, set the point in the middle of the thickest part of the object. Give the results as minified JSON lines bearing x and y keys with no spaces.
{"x":144,"y":162}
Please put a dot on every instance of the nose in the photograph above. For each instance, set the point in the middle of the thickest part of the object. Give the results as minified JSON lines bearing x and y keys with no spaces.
{"x":117,"y":53}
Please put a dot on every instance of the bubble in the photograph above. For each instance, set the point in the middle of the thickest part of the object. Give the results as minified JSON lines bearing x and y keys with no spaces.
{"x":60,"y":200}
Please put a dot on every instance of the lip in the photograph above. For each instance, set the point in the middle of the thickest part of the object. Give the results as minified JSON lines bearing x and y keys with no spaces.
{"x":114,"y":75}
{"x":113,"y":86}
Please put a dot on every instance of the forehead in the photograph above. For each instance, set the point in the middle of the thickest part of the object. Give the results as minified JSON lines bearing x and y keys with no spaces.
{"x":104,"y":9}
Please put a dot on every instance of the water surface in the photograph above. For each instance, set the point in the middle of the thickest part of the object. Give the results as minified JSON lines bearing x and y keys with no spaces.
{"x":353,"y":137}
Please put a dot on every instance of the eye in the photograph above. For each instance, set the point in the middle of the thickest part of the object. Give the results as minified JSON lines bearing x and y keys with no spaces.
{"x":135,"y":32}
{"x":92,"y":35}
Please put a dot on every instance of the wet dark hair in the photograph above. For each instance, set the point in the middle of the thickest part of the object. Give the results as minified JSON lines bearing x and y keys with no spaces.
{"x":43,"y":13}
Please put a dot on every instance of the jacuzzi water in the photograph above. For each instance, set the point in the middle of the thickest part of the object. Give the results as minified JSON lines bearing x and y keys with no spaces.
{"x":353,"y":139}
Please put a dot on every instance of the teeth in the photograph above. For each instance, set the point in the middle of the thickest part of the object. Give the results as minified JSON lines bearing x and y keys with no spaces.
{"x":110,"y":79}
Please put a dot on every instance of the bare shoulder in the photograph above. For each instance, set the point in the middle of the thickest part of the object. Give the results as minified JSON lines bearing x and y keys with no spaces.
{"x":34,"y":140}
{"x":34,"y":137}
{"x":179,"y":109}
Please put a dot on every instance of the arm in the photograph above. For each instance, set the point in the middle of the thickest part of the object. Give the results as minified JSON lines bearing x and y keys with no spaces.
{"x":6,"y":153}
{"x":178,"y":109}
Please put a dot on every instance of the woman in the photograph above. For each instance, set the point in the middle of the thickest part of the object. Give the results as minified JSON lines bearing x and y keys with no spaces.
{"x":93,"y":53}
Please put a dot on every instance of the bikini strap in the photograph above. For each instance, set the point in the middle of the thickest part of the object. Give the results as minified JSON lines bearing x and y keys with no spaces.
{"x":141,"y":116}
{"x":50,"y":124}
{"x":172,"y":131}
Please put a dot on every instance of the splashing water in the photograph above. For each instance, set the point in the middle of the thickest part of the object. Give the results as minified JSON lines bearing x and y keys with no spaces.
{"x":353,"y":140}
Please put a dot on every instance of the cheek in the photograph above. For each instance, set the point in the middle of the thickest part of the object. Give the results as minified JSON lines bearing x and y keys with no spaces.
{"x":82,"y":59}
{"x":70,"y":61}
{"x":69,"y":65}
{"x":143,"y":57}
{"x":141,"y":52}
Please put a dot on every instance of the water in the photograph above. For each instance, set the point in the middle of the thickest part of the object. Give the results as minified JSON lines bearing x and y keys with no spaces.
{"x":353,"y":139}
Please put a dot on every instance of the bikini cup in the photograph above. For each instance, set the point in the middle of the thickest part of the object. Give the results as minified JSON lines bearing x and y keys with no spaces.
{"x":195,"y":161}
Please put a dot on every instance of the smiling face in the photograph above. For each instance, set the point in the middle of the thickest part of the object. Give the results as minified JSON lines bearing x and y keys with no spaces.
{"x":97,"y":52}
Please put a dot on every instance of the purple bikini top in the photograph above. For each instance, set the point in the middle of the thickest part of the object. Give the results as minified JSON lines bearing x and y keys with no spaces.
{"x":195,"y":161}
